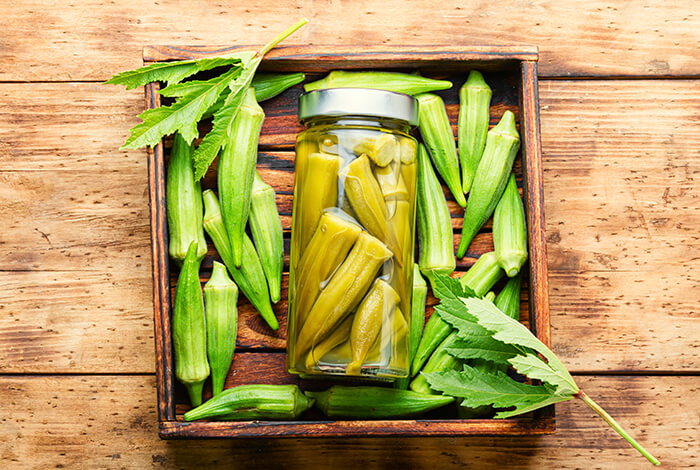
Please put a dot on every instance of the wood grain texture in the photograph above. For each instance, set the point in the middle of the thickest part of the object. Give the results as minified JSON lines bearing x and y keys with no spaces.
{"x":110,"y":422}
{"x":92,"y":39}
{"x":616,"y":154}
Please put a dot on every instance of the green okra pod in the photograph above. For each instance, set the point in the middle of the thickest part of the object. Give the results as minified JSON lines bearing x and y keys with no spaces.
{"x":367,"y":201}
{"x":343,"y":292}
{"x":474,"y":102}
{"x":221,"y":296}
{"x":490,"y":296}
{"x":435,"y":242}
{"x":189,"y":328}
{"x":481,"y":277}
{"x":184,"y":202}
{"x":250,"y":276}
{"x":236,"y":172}
{"x":266,"y":228}
{"x":509,"y":236}
{"x":502,"y":144}
{"x":379,"y":304}
{"x":508,"y":300}
{"x":322,"y":169}
{"x":439,"y":361}
{"x":419,"y":294}
{"x":408,"y":84}
{"x":375,"y":402}
{"x":269,"y":85}
{"x":438,"y":138}
{"x":254,"y":402}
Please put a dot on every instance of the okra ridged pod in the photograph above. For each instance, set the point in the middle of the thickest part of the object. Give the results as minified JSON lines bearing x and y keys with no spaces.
{"x":481,"y":277}
{"x":266,"y":228}
{"x":375,"y":402}
{"x":390,"y":81}
{"x":189,"y":328}
{"x":254,"y":402}
{"x":490,"y":296}
{"x":236,"y":170}
{"x":408,"y":151}
{"x":304,"y":148}
{"x":184,"y":203}
{"x":367,"y":201}
{"x":337,"y":337}
{"x":437,"y":136}
{"x":221,"y":295}
{"x":344,"y":291}
{"x":269,"y":85}
{"x":250,"y":277}
{"x":377,"y":306}
{"x":334,"y":237}
{"x":392,"y":185}
{"x":322,"y":169}
{"x":509,"y":237}
{"x":401,"y":225}
{"x":508,"y":300}
{"x":502,"y":144}
{"x":382,"y":149}
{"x":435,"y":242}
{"x":474,"y":102}
{"x":439,"y":361}
{"x":419,"y":294}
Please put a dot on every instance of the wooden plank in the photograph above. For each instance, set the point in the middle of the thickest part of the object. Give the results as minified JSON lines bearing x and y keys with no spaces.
{"x":110,"y":422}
{"x":93,"y":39}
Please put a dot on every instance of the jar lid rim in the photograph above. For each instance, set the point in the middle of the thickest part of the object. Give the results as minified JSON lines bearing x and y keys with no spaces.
{"x":336,"y":102}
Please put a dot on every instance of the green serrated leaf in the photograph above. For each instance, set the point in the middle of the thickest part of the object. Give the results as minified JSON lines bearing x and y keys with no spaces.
{"x":216,"y":139}
{"x":181,"y":116}
{"x":173,"y":72}
{"x":481,"y":389}
{"x":446,"y":288}
{"x":510,"y":331}
{"x":535,"y":368}
{"x":198,"y":86}
{"x":536,"y":405}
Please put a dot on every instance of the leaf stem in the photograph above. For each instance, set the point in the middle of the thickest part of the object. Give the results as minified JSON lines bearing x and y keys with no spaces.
{"x":282,"y":36}
{"x":613,"y":424}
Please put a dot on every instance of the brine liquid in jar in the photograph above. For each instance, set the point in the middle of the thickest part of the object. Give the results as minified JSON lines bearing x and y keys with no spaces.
{"x":353,"y":222}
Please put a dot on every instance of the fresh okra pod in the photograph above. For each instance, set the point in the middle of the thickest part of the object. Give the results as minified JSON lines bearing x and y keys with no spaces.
{"x":474,"y":101}
{"x":322,"y":169}
{"x":189,"y":328}
{"x":509,"y":237}
{"x":184,"y":202}
{"x":367,"y":201}
{"x":377,"y":307}
{"x":375,"y":402}
{"x":221,"y":295}
{"x":508,"y":300}
{"x":266,"y":228}
{"x":269,"y":85}
{"x":437,"y":136}
{"x":236,"y":170}
{"x":481,"y":277}
{"x":390,"y":81}
{"x":490,"y":296}
{"x":439,"y":361}
{"x":334,"y":237}
{"x":344,"y":291}
{"x":419,"y":294}
{"x":254,"y":402}
{"x":436,"y":249}
{"x":250,"y":276}
{"x":502,"y":144}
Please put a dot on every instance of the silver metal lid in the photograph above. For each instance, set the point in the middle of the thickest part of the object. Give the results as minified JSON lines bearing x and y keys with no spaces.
{"x":358,"y":102}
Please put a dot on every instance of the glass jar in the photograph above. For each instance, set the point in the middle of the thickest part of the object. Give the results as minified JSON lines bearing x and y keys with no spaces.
{"x":351,"y":263}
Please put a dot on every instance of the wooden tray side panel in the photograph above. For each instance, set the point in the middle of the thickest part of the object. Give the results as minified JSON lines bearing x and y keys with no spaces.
{"x":161,"y":271}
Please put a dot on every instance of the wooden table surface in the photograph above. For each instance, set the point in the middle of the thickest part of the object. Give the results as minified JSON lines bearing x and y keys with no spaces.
{"x":620,"y":115}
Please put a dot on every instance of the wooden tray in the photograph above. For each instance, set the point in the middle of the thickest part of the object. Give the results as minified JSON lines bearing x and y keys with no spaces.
{"x":260,"y":356}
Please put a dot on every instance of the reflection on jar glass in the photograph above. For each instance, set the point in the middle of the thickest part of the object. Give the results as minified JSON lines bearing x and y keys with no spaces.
{"x":352,"y":248}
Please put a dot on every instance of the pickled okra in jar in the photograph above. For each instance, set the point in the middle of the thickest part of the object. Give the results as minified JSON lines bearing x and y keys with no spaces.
{"x":352,"y":248}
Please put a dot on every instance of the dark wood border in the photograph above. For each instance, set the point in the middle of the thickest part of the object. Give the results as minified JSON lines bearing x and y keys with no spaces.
{"x":322,"y":58}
